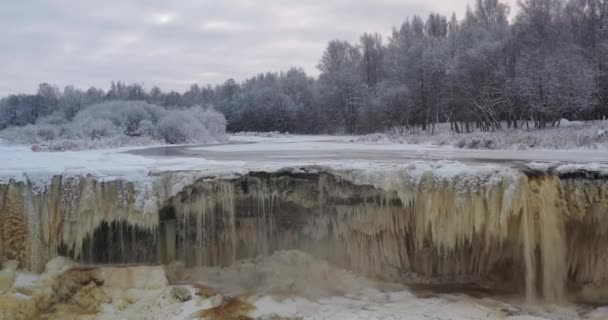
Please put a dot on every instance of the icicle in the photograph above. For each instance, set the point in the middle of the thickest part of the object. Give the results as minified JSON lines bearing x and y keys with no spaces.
{"x":457,"y":229}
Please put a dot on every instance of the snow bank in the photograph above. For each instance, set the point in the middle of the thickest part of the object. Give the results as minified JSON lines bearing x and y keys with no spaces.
{"x":570,"y":135}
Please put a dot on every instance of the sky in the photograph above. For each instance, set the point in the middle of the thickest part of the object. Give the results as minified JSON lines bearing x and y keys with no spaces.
{"x":173,"y":44}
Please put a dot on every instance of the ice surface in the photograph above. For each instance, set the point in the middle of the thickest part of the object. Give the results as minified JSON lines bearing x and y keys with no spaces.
{"x":247,"y":153}
{"x":20,"y":164}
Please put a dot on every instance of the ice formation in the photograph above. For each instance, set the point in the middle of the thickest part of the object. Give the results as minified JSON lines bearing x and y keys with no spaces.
{"x":542,"y":233}
{"x":36,"y":226}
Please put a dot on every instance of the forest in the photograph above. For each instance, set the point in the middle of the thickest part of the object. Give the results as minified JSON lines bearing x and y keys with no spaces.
{"x":487,"y":71}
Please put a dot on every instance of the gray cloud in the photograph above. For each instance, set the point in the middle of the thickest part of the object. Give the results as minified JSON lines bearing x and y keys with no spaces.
{"x":174,"y":44}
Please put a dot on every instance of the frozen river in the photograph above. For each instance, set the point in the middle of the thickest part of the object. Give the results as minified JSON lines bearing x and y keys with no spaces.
{"x":250,"y":153}
{"x":296,"y":149}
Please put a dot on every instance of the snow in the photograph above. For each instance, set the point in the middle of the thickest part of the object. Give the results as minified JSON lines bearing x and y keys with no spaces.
{"x":253,"y":153}
{"x":321,"y":148}
{"x":362,"y":297}
{"x":276,"y":286}
{"x":21,"y":164}
{"x":365,"y":304}
{"x":26,"y":280}
{"x":288,"y":138}
{"x":568,"y":136}
{"x":258,"y":153}
{"x":373,"y":305}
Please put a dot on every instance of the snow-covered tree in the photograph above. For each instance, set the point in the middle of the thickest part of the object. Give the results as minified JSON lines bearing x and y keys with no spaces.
{"x":482,"y":72}
{"x":341,"y":85}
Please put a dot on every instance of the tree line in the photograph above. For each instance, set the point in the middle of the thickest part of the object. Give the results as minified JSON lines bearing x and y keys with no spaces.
{"x":483,"y":72}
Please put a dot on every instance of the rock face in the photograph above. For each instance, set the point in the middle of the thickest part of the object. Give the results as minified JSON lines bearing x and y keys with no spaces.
{"x":89,"y":288}
{"x":68,"y":292}
{"x":535,"y":233}
{"x":8,"y":274}
{"x":14,"y":233}
{"x":16,"y":308}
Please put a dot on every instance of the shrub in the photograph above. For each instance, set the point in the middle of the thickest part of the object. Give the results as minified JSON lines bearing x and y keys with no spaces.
{"x":120,"y":123}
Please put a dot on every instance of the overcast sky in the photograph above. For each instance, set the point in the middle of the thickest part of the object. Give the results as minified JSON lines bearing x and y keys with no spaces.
{"x":173,"y":44}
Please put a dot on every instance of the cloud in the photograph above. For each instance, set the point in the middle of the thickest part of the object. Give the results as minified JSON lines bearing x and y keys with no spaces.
{"x":164,"y":17}
{"x":225,"y":26}
{"x":174,"y":44}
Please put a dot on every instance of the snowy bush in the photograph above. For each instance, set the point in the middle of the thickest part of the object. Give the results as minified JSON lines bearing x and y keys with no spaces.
{"x":213,"y":121}
{"x":92,"y":128}
{"x":120,"y":123}
{"x":175,"y":128}
{"x":55,"y":119}
{"x":591,"y":135}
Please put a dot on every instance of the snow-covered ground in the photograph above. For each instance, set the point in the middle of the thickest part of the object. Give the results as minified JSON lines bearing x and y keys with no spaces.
{"x":21,"y":163}
{"x":569,"y":135}
{"x":246,"y":153}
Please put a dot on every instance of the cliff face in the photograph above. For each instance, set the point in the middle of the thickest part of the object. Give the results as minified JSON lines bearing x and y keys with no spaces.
{"x":540,"y":234}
